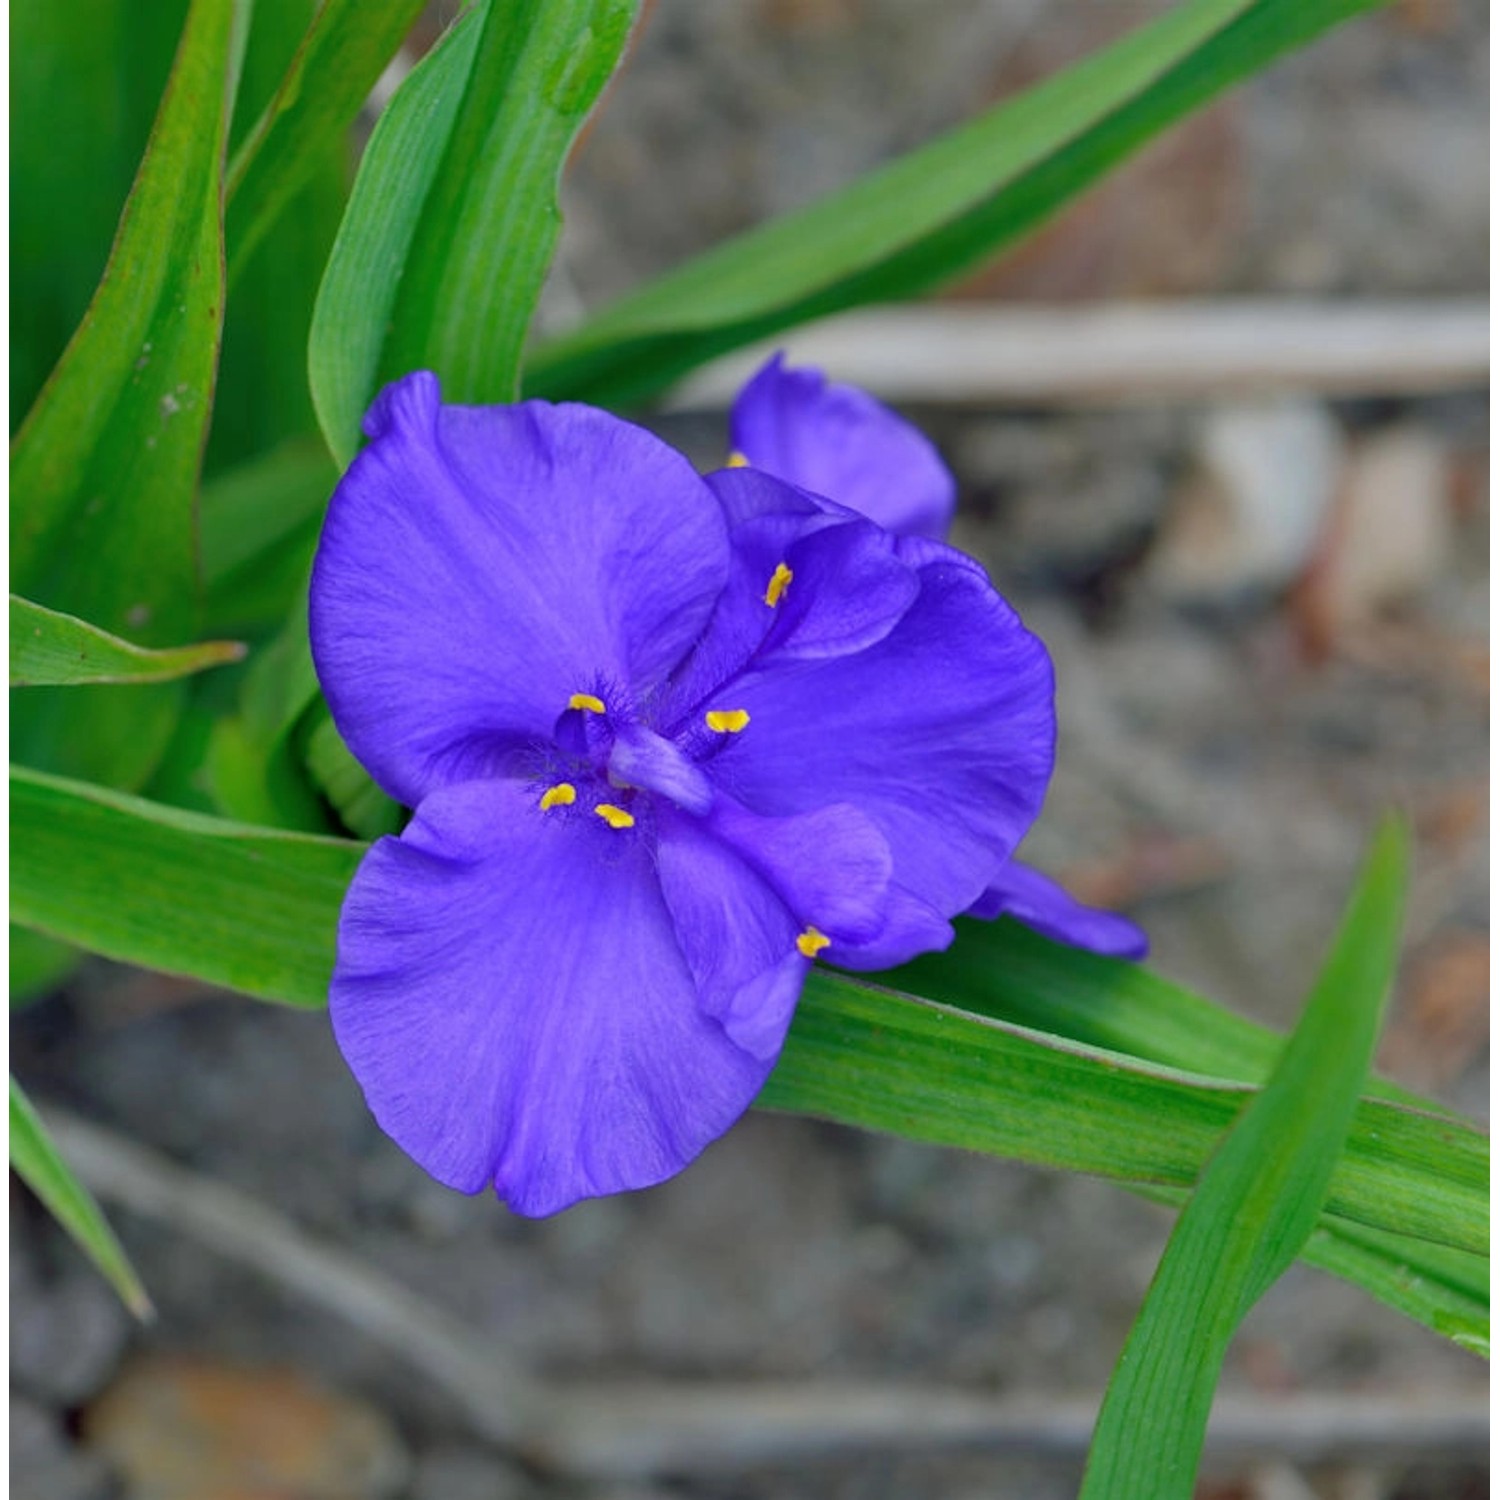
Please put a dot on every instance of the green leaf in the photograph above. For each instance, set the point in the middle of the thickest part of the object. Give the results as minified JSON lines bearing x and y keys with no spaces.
{"x":49,"y":648}
{"x":253,"y":909}
{"x":256,"y":910}
{"x":105,"y":466}
{"x":264,"y":400}
{"x":259,"y":527}
{"x":1447,"y":1290}
{"x":254,"y":766}
{"x":86,"y":77}
{"x":1443,"y":1289}
{"x":453,"y":217}
{"x":263,"y":395}
{"x":934,"y":213}
{"x":42,"y":1169}
{"x":1013,"y":974}
{"x":886,"y":1062}
{"x":37,"y":966}
{"x":181,"y":775}
{"x":356,"y":304}
{"x":343,"y":53}
{"x":363,"y":807}
{"x":1005,"y":970}
{"x":1257,"y":1202}
{"x":490,"y":219}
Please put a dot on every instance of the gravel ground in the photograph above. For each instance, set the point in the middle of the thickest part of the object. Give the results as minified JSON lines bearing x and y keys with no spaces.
{"x":1223,"y":758}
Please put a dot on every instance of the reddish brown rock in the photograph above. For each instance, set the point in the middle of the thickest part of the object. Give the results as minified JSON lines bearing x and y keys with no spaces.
{"x":180,"y":1428}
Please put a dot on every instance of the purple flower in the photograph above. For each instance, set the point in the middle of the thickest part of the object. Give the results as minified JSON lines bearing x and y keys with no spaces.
{"x":667,"y":739}
{"x":840,"y":442}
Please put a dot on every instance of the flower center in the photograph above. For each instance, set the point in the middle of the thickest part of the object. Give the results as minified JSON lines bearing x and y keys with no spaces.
{"x":616,"y":767}
{"x":609,"y":759}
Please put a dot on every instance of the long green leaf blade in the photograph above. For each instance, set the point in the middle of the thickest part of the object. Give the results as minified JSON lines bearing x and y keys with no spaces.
{"x":934,"y":213}
{"x":1005,"y":970}
{"x":891,"y":1063}
{"x":364,"y":809}
{"x":453,"y":218}
{"x":344,"y":52}
{"x":491,"y":219}
{"x":256,"y":771}
{"x":253,"y":909}
{"x":105,"y":466}
{"x":48,"y":648}
{"x":41,"y":1167}
{"x":1445,"y":1290}
{"x":258,"y":530}
{"x":357,"y":301}
{"x":1257,"y":1202}
{"x":37,"y":965}
{"x":256,"y":910}
{"x":86,"y":78}
{"x":263,"y":398}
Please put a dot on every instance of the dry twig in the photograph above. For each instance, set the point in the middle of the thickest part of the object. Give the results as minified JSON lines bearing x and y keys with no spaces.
{"x":958,"y":353}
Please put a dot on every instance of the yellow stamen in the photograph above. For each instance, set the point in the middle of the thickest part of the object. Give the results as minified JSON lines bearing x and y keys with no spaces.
{"x":780,"y":580}
{"x":726,"y":720}
{"x":561,"y":795}
{"x":737,"y":460}
{"x":812,"y":942}
{"x":587,"y":702}
{"x":616,"y":817}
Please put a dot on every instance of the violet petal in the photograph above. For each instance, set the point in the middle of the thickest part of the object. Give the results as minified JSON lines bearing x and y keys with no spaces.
{"x":1023,"y":892}
{"x":942,"y":734}
{"x":839,"y":441}
{"x":512,"y":996}
{"x":481,"y":564}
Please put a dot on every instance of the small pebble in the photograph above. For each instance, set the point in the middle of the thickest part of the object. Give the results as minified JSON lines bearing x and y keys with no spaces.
{"x":67,"y":1331}
{"x":182,"y":1428}
{"x":44,"y":1465}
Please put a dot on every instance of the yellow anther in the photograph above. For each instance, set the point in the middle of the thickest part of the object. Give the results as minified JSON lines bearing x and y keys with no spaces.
{"x":812,"y":942}
{"x":616,"y":817}
{"x":587,"y":702}
{"x":561,"y":795}
{"x":780,"y":581}
{"x":737,"y":460}
{"x":726,"y":720}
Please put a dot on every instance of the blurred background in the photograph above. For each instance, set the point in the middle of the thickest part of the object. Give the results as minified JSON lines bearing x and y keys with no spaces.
{"x":1268,"y":606}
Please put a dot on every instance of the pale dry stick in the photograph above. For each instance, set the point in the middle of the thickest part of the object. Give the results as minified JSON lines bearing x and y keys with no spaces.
{"x":967,"y":354}
{"x":647,"y":1428}
{"x":650,"y":1429}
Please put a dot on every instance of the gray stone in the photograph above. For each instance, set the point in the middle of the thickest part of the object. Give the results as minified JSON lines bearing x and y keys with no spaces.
{"x":67,"y":1331}
{"x":44,"y":1465}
